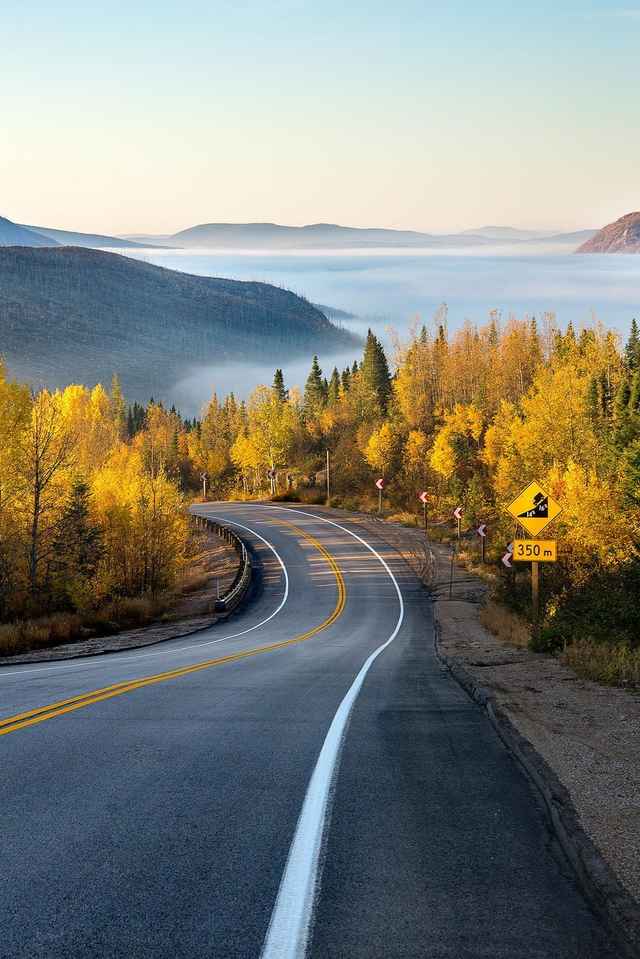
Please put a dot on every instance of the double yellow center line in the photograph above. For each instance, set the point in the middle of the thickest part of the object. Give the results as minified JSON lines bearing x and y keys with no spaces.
{"x":33,"y":716}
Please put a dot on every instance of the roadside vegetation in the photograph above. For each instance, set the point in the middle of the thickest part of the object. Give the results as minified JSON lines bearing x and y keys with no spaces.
{"x":92,"y":492}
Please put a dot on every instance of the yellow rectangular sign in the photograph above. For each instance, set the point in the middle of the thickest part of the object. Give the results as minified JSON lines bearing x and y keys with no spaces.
{"x":535,"y":550}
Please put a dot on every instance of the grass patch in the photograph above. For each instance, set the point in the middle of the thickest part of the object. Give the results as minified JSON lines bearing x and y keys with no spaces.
{"x":506,"y":625}
{"x":613,"y":664}
{"x":404,"y":518}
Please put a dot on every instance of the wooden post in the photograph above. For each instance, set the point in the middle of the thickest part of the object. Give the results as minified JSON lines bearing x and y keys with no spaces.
{"x":535,"y":596}
{"x":453,"y":558}
{"x":328,"y":478}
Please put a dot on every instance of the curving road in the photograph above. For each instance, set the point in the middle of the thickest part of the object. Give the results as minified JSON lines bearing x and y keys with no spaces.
{"x":304,"y":780}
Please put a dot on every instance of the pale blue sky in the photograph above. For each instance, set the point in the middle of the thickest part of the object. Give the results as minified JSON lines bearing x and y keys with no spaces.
{"x":148,"y":116}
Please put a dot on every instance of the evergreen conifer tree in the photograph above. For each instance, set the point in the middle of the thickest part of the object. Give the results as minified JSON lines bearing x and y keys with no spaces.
{"x":593,"y":399}
{"x":314,"y":394}
{"x":278,"y":386}
{"x":375,"y":371}
{"x":632,"y":349}
{"x":333,"y":394}
{"x":76,"y":549}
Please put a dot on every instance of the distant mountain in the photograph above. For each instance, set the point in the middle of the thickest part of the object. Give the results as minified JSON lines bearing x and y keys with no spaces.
{"x":322,"y":236}
{"x":69,"y":314}
{"x":12,"y":234}
{"x":570,"y":239}
{"x":331,"y":236}
{"x":90,"y":240}
{"x":623,"y":236}
{"x":508,"y":233}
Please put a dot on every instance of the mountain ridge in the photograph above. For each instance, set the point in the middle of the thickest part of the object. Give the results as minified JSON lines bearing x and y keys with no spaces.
{"x":275,"y":236}
{"x":69,"y":313}
{"x":621,"y":236}
{"x":14,"y":234}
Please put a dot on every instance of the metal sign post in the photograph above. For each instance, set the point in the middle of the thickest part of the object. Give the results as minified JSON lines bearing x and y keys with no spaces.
{"x":380,"y":487}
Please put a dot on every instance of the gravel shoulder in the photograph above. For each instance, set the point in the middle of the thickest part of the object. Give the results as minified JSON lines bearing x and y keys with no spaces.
{"x":588,"y":734}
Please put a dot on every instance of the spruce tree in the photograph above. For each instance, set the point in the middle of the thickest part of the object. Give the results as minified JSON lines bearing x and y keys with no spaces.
{"x":278,"y":386}
{"x":634,"y":397}
{"x":593,"y":400}
{"x":375,"y":371}
{"x":77,"y":548}
{"x":346,"y":379}
{"x":314,"y":395}
{"x":632,"y":349}
{"x":333,"y":394}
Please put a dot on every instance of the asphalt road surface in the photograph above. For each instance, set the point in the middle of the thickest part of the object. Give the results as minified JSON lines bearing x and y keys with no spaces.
{"x":304,"y":780}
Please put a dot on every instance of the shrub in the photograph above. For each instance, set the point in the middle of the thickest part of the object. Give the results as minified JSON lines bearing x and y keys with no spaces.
{"x":615,"y":664}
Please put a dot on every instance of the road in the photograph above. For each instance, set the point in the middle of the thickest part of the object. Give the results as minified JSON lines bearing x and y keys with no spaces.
{"x":305,"y":779}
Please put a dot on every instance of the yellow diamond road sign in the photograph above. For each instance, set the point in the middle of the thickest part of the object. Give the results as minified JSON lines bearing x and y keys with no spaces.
{"x":534,"y":509}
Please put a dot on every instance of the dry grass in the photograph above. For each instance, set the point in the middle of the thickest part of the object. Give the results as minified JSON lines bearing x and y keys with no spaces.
{"x":612,"y":664}
{"x":125,"y":613}
{"x":507,"y":626}
{"x":406,"y":519}
{"x":35,"y":634}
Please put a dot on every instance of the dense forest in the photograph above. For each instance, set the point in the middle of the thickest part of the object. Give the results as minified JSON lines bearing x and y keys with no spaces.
{"x":92,"y":490}
{"x":67,"y":309}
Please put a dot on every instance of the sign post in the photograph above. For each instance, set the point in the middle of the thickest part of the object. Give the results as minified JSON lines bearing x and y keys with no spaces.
{"x":204,"y":477}
{"x":534,"y":509}
{"x":380,"y":486}
{"x":482,"y":533}
{"x":458,"y":517}
{"x":423,"y":499}
{"x":328,"y":477}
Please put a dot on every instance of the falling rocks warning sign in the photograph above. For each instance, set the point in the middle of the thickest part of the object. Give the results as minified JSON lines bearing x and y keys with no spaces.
{"x":534,"y":509}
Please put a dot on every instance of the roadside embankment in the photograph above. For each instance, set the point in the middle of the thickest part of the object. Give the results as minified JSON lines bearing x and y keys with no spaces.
{"x":214,"y":570}
{"x":585,"y":737}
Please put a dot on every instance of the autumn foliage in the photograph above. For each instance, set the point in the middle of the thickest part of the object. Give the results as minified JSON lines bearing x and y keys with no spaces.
{"x":92,"y":491}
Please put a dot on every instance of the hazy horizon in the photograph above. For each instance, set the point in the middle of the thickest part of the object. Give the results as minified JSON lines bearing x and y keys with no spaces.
{"x":413,"y":116}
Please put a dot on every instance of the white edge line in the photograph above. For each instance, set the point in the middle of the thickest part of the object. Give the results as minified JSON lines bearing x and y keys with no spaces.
{"x":110,"y":661}
{"x":290,"y":926}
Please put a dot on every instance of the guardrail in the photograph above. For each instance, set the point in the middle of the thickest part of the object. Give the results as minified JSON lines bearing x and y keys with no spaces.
{"x":239,"y":588}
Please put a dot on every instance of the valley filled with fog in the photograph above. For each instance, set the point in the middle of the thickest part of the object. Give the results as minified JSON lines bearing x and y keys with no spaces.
{"x":391,"y":291}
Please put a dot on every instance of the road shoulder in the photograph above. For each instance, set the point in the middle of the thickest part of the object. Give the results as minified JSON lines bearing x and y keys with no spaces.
{"x":578,"y":741}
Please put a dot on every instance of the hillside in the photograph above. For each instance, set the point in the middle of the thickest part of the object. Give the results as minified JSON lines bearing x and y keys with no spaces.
{"x":12,"y":234}
{"x":69,"y":314}
{"x":91,"y":240}
{"x":623,"y":236}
